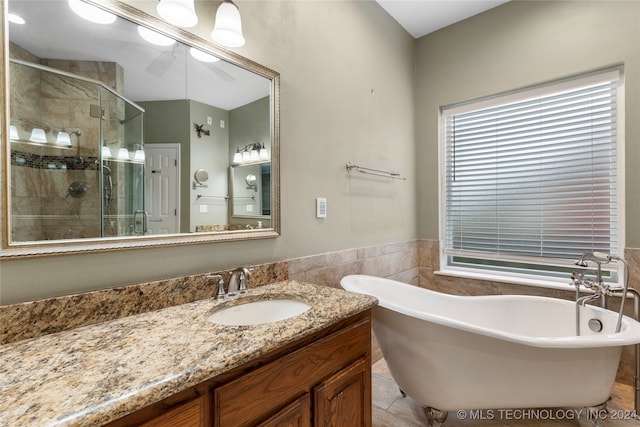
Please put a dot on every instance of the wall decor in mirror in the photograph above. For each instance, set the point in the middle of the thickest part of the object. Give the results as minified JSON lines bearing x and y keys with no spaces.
{"x":107,"y":123}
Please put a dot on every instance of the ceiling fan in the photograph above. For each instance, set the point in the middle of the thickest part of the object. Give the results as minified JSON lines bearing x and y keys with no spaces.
{"x":159,"y":66}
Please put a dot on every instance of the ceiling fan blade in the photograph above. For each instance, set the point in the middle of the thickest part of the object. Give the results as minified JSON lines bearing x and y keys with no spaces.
{"x":162,"y":63}
{"x":221,"y":73}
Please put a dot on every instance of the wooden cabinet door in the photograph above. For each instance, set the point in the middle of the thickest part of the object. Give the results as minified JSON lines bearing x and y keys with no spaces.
{"x":344,"y":399}
{"x":296,"y":414}
{"x":190,"y":414}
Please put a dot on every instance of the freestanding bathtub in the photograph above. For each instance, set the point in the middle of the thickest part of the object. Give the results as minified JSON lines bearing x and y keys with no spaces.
{"x":502,"y":352}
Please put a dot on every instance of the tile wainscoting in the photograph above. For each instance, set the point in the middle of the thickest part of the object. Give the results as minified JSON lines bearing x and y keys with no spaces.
{"x":413,"y":262}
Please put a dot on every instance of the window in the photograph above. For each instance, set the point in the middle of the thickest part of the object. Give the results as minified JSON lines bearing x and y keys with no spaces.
{"x":531,"y":178}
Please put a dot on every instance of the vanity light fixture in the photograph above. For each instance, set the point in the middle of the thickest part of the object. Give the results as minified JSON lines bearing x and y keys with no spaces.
{"x":92,"y":13}
{"x":227,"y":29}
{"x":202,"y":56}
{"x":154,"y":37}
{"x":38,"y":135}
{"x":123,"y":154}
{"x":251,"y":153}
{"x":181,"y":13}
{"x":63,"y":139}
{"x":16,"y":19}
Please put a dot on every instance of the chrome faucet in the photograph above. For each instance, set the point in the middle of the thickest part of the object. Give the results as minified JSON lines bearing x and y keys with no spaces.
{"x":601,"y":289}
{"x":237,"y":282}
{"x":220,"y":294}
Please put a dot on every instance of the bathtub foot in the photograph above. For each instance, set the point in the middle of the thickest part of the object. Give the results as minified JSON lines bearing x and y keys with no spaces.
{"x":435,"y":417}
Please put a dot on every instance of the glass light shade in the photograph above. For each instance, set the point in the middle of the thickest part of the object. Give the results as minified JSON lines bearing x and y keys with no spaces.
{"x":155,"y":37}
{"x":264,"y":155}
{"x":246,"y":157}
{"x":91,"y":13}
{"x":202,"y":56}
{"x":181,"y":13}
{"x":123,"y":154}
{"x":38,"y":135}
{"x":139,"y":156}
{"x":63,"y":139}
{"x":227,"y":30}
{"x":254,"y":155}
{"x":106,"y":152}
{"x":237,"y":158}
{"x":13,"y":132}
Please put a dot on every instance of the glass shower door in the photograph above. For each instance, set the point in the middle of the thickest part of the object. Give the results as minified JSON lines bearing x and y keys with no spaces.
{"x":122,"y":165}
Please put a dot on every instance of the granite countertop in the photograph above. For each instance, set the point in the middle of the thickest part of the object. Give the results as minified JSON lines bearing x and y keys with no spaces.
{"x":96,"y":374}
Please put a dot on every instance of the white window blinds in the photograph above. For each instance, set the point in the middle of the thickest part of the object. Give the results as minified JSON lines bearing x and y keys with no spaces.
{"x":531,"y":178}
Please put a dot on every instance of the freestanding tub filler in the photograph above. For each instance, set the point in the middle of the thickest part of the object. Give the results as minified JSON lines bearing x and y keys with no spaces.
{"x":501,"y":351}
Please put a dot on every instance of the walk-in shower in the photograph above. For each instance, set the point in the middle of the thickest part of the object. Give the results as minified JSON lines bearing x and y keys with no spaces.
{"x":82,"y":174}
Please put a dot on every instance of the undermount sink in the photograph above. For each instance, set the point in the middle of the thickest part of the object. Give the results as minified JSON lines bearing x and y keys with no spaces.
{"x":257,"y":312}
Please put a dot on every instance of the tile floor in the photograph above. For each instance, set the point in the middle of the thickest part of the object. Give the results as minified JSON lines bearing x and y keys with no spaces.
{"x":390,"y":409}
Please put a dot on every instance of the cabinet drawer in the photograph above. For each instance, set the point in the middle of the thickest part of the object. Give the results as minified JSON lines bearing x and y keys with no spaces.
{"x":262,"y":392}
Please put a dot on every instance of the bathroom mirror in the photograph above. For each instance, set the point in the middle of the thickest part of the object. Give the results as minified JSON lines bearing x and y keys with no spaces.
{"x":101,"y":123}
{"x":250,"y":198}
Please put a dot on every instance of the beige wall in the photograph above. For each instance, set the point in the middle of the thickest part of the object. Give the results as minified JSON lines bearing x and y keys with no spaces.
{"x":517,"y":44}
{"x":346,"y":95}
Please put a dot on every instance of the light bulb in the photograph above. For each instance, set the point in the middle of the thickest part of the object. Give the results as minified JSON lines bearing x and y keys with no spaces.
{"x":38,"y":135}
{"x":123,"y":154}
{"x":91,"y":13}
{"x":181,"y":13}
{"x":264,"y":154}
{"x":13,"y":132}
{"x":154,"y":37}
{"x":106,"y":152}
{"x":139,"y":156}
{"x":202,"y":56}
{"x":63,"y":139}
{"x":227,"y":30}
{"x":254,"y":155}
{"x":246,"y":157}
{"x":237,"y":158}
{"x":15,"y":19}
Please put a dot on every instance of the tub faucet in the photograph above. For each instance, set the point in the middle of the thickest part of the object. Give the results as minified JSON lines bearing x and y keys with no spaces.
{"x":237,"y":282}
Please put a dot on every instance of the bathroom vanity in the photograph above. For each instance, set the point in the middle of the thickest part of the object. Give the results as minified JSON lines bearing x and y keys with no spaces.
{"x":172,"y":367}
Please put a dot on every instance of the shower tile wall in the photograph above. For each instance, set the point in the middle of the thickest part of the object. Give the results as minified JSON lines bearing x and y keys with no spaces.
{"x":42,"y":206}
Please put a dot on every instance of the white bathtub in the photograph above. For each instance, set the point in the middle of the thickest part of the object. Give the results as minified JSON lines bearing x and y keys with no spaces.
{"x":481,"y":352}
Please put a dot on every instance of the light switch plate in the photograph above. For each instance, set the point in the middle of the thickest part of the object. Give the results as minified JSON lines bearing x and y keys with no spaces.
{"x":321,"y":207}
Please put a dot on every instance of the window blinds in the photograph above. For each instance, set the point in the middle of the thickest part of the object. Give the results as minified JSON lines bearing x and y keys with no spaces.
{"x":534,"y":178}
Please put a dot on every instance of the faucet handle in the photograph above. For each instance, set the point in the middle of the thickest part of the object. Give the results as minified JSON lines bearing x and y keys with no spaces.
{"x":220,"y":294}
{"x":244,"y":274}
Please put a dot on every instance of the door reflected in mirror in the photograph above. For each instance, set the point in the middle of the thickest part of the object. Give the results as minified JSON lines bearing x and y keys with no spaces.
{"x":135,"y":124}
